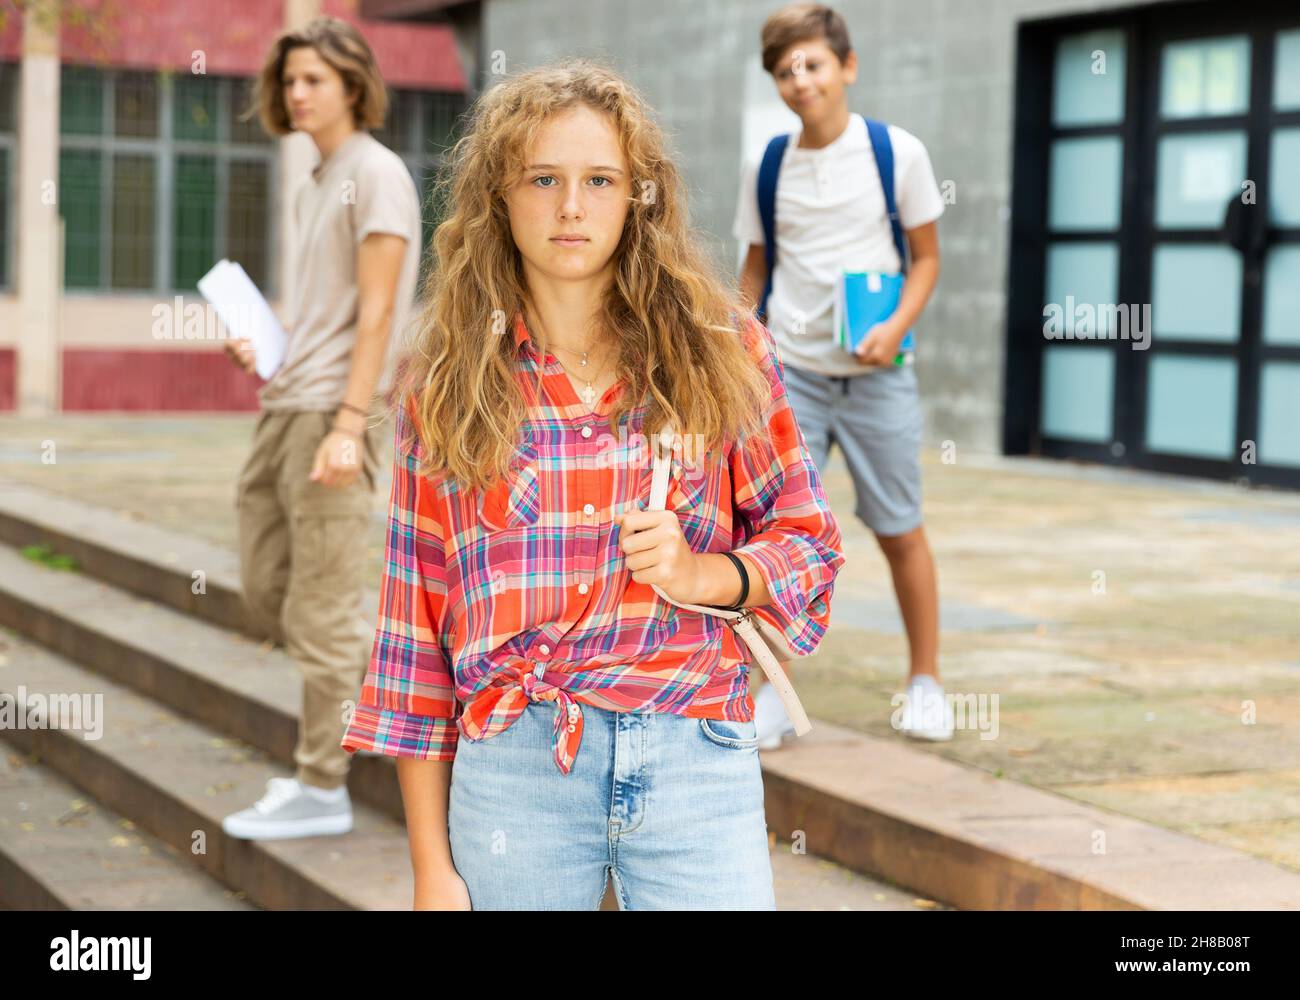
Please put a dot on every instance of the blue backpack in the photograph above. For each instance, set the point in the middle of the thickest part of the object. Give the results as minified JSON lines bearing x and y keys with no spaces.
{"x":771,"y":167}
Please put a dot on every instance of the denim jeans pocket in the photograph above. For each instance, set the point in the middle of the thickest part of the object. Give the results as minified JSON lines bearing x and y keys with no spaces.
{"x":730,"y":734}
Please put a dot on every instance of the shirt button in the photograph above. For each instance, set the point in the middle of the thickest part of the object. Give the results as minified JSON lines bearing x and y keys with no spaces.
{"x":588,"y":510}
{"x":544,"y":649}
{"x":586,"y":432}
{"x":583,"y":588}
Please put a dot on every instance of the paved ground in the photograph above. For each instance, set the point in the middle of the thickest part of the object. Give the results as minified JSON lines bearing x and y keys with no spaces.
{"x":1139,"y":635}
{"x":805,"y":882}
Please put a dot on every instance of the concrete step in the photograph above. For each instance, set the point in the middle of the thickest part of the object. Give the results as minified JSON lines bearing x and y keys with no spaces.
{"x":242,"y":689}
{"x":178,"y":779}
{"x":130,"y":554}
{"x":952,"y":832}
{"x":61,"y":850}
{"x":135,"y":556}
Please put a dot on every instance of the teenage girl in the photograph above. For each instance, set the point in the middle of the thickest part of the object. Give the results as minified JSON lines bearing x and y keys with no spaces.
{"x":556,"y":721}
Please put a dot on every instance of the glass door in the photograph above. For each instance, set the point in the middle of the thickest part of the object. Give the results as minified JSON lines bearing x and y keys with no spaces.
{"x":1085,"y":210}
{"x":1220,"y":385}
{"x":1197,"y":156}
{"x":1154,"y":303}
{"x":1277,"y":422}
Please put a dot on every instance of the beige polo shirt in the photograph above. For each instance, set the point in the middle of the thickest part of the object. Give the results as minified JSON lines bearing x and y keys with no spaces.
{"x":362,"y":187}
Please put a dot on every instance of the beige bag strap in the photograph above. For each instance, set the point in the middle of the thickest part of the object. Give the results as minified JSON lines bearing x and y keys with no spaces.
{"x":742,"y":622}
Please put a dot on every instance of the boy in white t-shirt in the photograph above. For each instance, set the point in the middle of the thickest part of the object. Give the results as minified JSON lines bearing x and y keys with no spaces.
{"x":830,"y":215}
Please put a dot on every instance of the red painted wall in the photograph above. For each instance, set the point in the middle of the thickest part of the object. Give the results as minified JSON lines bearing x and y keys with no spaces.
{"x":235,"y":36}
{"x":11,"y":34}
{"x":119,"y":379}
{"x":8,"y":377}
{"x":419,"y":56}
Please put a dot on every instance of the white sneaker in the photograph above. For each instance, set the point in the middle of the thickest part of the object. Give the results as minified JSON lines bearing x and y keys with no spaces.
{"x":927,"y":714}
{"x":770,"y":720}
{"x":290,"y":810}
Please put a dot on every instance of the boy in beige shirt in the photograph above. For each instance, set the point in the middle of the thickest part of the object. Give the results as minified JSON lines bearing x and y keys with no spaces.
{"x":305,"y":491}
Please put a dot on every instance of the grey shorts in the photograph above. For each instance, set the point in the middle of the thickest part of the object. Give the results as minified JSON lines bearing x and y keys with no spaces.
{"x":876,"y":420}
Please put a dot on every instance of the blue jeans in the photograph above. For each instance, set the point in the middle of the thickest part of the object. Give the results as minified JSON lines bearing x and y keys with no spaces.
{"x":671,"y":806}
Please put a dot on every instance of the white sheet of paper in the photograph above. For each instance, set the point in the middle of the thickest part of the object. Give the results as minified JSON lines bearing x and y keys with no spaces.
{"x":246,"y":313}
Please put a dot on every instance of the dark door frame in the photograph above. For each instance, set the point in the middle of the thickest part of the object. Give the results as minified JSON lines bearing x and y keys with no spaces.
{"x":1146,"y":29}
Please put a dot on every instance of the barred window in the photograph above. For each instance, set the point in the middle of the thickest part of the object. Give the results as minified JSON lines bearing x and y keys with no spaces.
{"x":159,"y":180}
{"x":421,"y":127}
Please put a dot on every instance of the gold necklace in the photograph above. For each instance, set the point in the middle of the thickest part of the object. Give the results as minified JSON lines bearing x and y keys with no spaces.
{"x":583,"y":362}
{"x":588,"y":392}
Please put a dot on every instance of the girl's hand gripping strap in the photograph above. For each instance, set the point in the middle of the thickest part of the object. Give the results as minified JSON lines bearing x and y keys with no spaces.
{"x":742,"y":622}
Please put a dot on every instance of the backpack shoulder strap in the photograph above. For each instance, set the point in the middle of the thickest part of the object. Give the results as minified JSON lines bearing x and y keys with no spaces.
{"x":660,"y":468}
{"x":766,"y":644}
{"x":883,"y":149}
{"x":767,"y":175}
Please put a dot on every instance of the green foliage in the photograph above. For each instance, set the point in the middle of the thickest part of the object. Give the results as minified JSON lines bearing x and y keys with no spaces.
{"x":46,"y":556}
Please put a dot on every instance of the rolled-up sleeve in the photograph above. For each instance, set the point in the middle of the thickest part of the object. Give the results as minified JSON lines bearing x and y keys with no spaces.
{"x":796,"y":540}
{"x":408,"y":704}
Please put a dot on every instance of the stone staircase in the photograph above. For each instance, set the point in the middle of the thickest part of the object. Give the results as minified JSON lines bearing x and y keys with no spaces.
{"x":193,"y":717}
{"x":186,"y":716}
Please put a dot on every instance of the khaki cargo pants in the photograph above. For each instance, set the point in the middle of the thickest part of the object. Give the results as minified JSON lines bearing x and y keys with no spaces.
{"x":302,"y":551}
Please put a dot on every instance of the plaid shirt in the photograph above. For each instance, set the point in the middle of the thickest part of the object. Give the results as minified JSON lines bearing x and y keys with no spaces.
{"x":492,"y":598}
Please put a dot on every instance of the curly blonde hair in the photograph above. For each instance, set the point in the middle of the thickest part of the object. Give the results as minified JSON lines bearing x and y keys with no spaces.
{"x":678,"y":329}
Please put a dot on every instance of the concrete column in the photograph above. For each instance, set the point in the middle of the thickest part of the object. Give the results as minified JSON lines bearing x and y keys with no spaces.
{"x":40,"y":272}
{"x":297,"y":155}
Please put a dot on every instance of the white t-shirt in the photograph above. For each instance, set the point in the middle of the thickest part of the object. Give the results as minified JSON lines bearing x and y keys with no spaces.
{"x":830,"y":214}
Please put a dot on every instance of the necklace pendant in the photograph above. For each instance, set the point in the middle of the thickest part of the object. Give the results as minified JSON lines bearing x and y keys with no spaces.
{"x":589,"y":395}
{"x":583,"y":362}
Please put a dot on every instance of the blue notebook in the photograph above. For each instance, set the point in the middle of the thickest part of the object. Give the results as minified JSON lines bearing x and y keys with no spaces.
{"x":863,"y":299}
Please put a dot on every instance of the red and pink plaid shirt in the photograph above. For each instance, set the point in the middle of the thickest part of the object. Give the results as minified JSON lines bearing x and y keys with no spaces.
{"x":492,"y":598}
